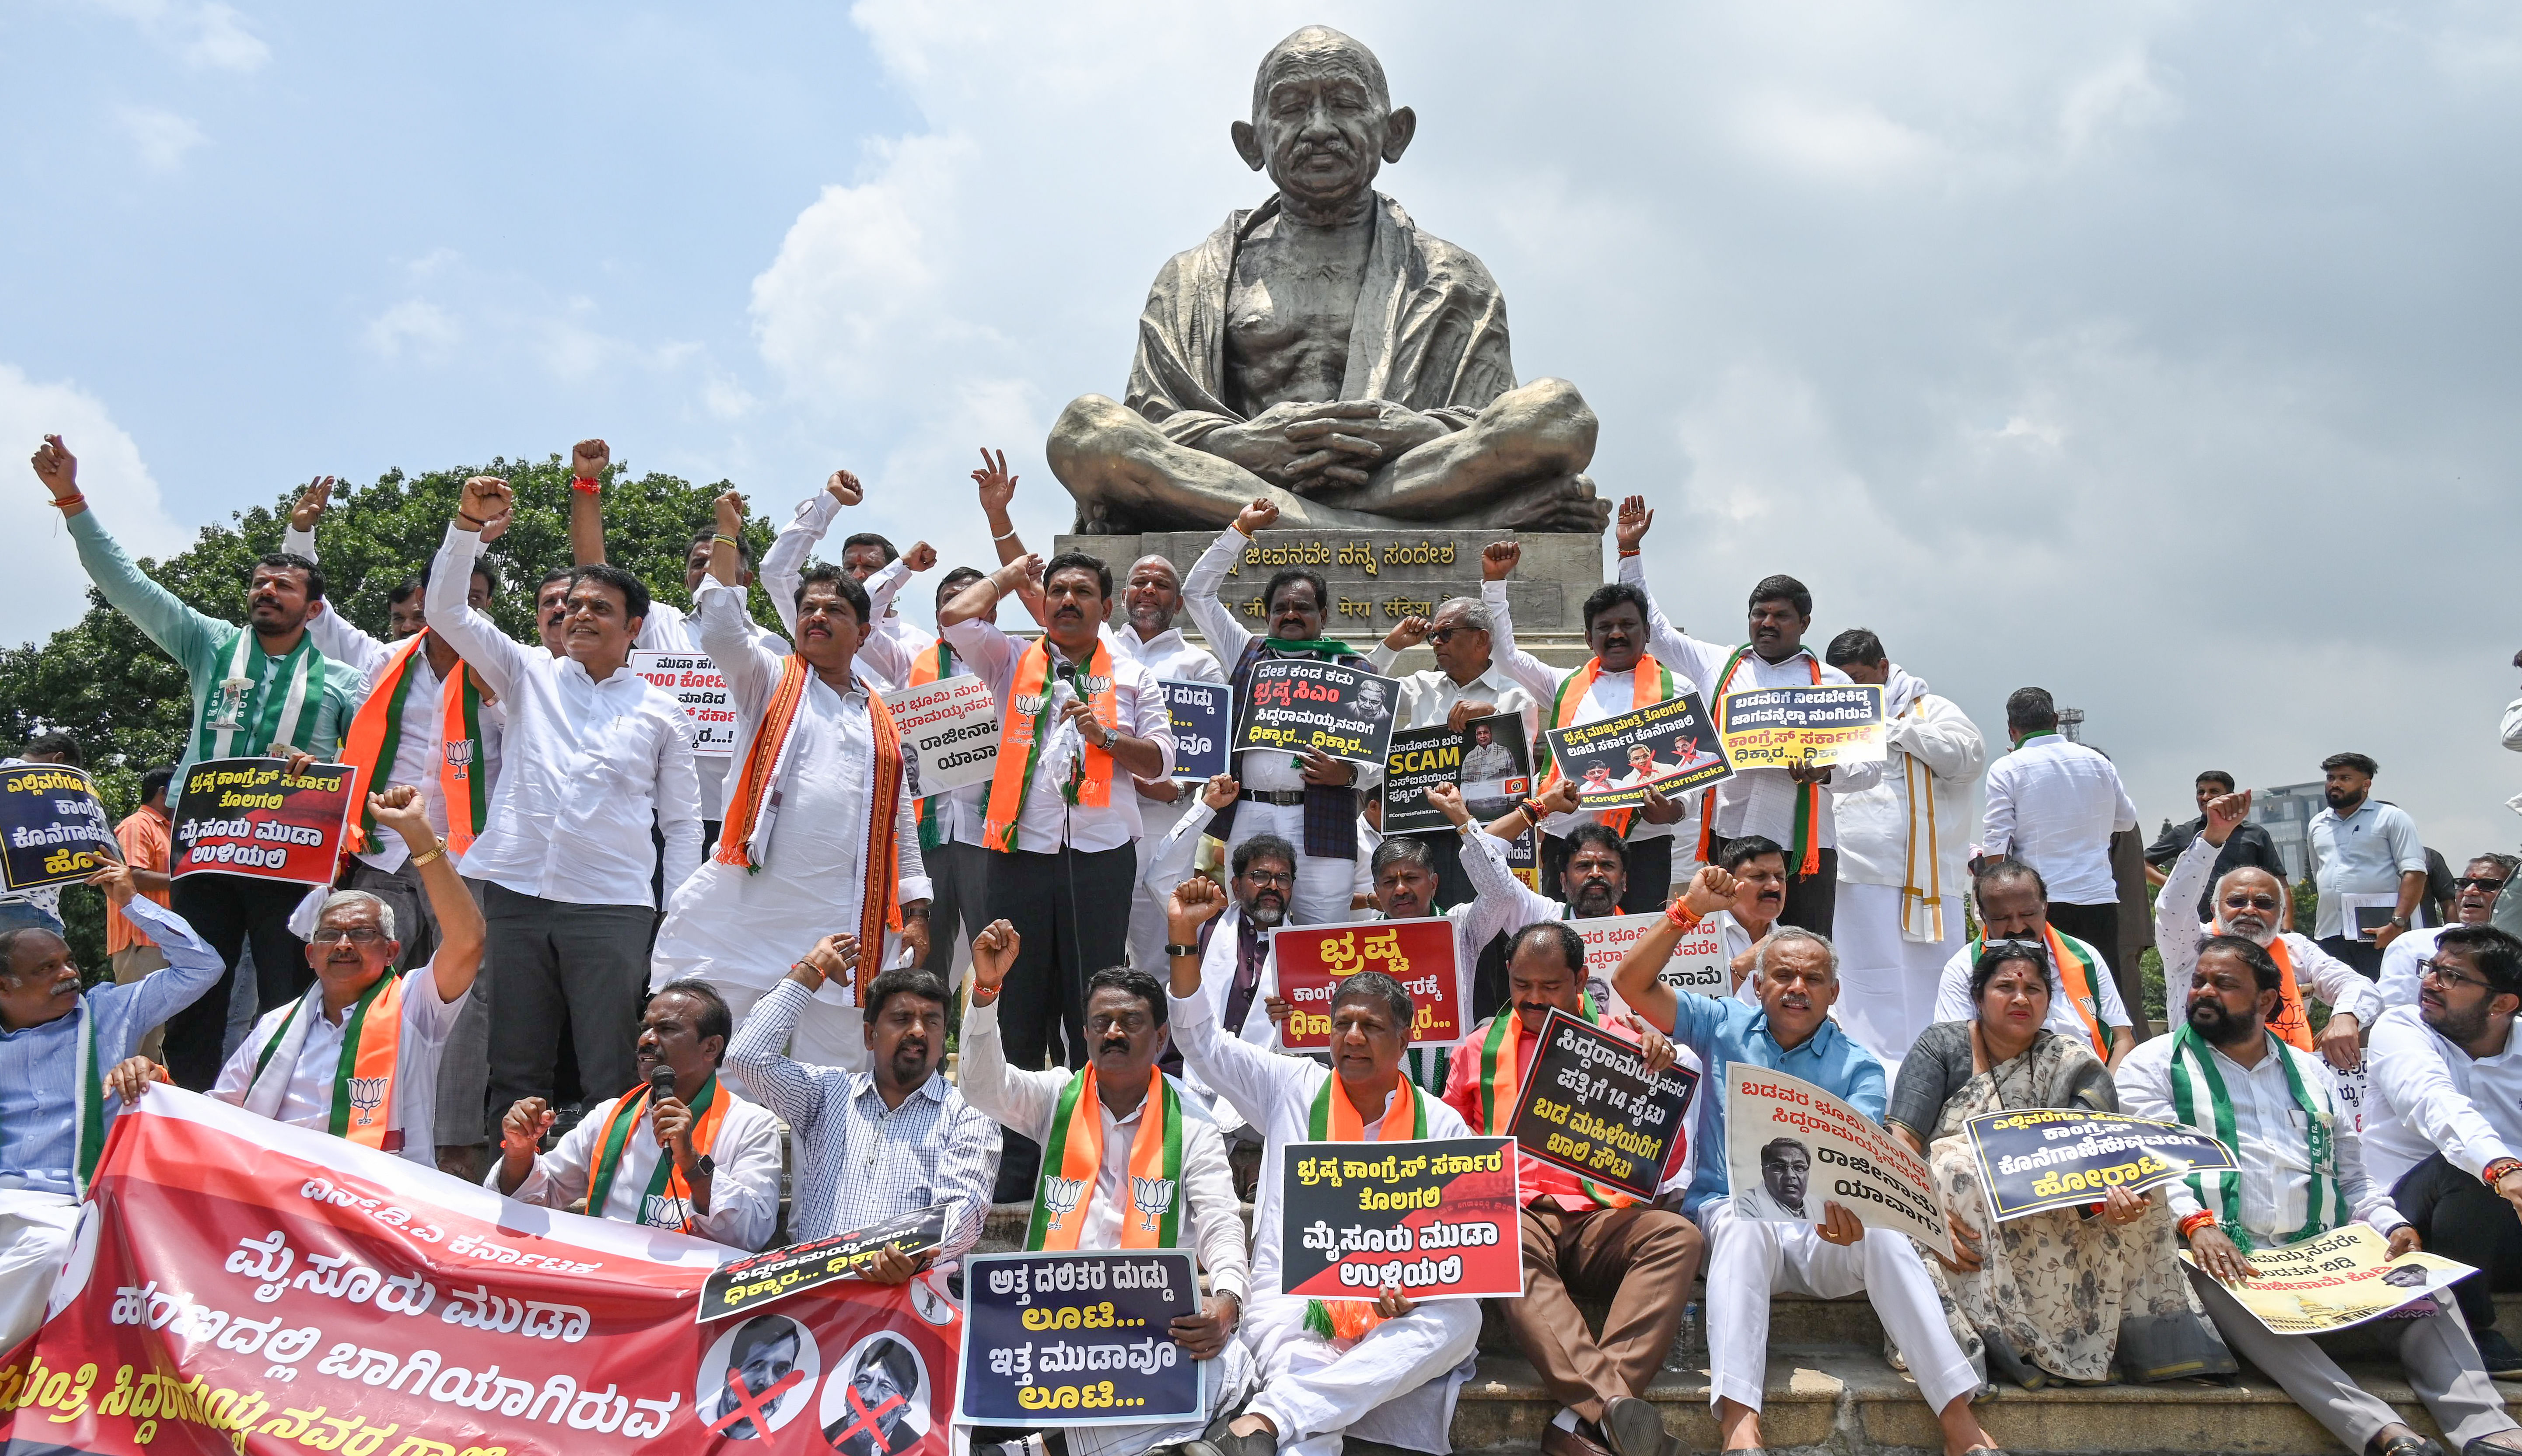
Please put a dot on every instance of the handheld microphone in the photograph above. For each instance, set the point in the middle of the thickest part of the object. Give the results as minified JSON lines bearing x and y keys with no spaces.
{"x":661,"y":1083}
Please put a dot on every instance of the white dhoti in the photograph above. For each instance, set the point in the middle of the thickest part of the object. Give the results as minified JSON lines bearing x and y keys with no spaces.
{"x":1229,"y":1376}
{"x":1396,"y":1385}
{"x":1750,"y":1259}
{"x":35,"y":1234}
{"x":1323,"y":885}
{"x":1887,"y":984}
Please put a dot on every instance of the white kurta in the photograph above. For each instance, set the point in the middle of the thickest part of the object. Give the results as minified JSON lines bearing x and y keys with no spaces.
{"x":745,"y":1183}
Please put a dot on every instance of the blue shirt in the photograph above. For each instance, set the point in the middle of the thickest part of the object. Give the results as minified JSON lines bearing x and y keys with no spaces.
{"x":2365,"y":853}
{"x":1725,"y":1031}
{"x":39,"y":1064}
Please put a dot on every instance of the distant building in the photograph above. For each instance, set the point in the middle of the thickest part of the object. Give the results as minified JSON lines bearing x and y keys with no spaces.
{"x":2285,"y":812}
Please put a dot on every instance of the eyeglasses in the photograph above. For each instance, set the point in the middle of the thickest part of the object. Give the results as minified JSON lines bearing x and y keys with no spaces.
{"x":2437,"y":971}
{"x":2478,"y":881}
{"x":1448,"y":634}
{"x":361,"y":937}
{"x":1264,"y":879}
{"x":2250,"y":902}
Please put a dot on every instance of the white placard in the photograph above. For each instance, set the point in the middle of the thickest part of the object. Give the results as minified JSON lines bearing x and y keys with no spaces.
{"x":949,"y":733}
{"x":1698,"y":960}
{"x":694,"y":681}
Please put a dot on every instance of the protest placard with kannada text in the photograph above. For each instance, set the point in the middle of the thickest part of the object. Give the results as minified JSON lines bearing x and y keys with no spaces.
{"x":53,"y":831}
{"x":2040,"y":1159}
{"x":1307,"y":962}
{"x":1202,"y":713}
{"x":1791,"y":1147}
{"x":2337,"y":1279}
{"x":1668,"y":747}
{"x":1587,"y":1105}
{"x":1298,"y":705}
{"x":1488,"y":760}
{"x":1431,"y":1219}
{"x":694,"y":682}
{"x":1697,"y":960}
{"x":1080,"y":1338}
{"x":950,"y":733}
{"x":745,"y":1285}
{"x":245,"y":816}
{"x":1823,"y":725}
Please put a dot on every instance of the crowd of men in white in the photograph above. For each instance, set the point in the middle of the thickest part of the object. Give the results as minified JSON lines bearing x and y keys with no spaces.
{"x":730,"y":951}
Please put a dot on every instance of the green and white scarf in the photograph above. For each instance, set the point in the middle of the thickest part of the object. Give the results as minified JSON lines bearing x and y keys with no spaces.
{"x":275,"y":710}
{"x":89,"y":1078}
{"x":2197,"y":1089}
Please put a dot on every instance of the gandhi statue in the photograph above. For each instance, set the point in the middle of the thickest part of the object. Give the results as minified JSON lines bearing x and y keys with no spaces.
{"x":1322,"y":352}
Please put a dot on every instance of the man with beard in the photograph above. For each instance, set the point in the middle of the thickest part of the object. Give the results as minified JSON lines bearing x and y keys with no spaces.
{"x":1389,"y":1368}
{"x":1234,"y":947}
{"x":1593,"y":879}
{"x":2370,"y":860}
{"x":2014,"y":907}
{"x":2301,"y":1174}
{"x":1132,"y":1160}
{"x":1150,"y":599}
{"x":262,"y":688}
{"x":1795,"y":977}
{"x":2446,"y":1119}
{"x":890,"y":1140}
{"x":2473,"y":903}
{"x":2247,"y":845}
{"x":2254,"y":904}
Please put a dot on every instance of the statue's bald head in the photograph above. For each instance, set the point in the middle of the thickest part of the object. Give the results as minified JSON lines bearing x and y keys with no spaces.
{"x":1316,"y":49}
{"x":1322,"y":121}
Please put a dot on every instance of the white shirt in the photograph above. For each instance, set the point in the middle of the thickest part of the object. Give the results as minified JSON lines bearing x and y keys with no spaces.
{"x":1167,"y":659}
{"x":2054,"y":805}
{"x":885,"y":657}
{"x":308,"y":1101}
{"x":2399,"y":979}
{"x":1272,"y":771}
{"x":590,"y":765}
{"x":1047,"y":822}
{"x":732,"y":926}
{"x":2430,"y":1096}
{"x":1876,"y":824}
{"x":1428,"y":698}
{"x":2363,"y":853}
{"x":669,"y":628}
{"x":1612,"y":694}
{"x":745,"y":1183}
{"x":1028,"y":1103}
{"x":2178,"y":935}
{"x":1953,"y":998}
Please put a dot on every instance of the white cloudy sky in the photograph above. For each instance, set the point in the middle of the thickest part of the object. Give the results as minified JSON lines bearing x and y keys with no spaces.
{"x":2161,"y":354}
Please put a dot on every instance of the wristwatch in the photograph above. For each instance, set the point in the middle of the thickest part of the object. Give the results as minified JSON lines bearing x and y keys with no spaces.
{"x":2401,"y":921}
{"x":1180,"y":950}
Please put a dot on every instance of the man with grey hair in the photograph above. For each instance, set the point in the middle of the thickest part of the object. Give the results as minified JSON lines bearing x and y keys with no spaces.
{"x":357,"y":1054}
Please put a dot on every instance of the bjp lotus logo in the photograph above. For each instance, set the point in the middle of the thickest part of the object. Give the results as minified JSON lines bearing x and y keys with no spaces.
{"x":1155,"y":1198}
{"x":1062,"y":1194}
{"x":367,"y":1094}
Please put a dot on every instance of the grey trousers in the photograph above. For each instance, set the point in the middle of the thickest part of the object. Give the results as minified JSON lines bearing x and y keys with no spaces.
{"x":464,"y":1067}
{"x":561,"y":970}
{"x":2436,"y":1352}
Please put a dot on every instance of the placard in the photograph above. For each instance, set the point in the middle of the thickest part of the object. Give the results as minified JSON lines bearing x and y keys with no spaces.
{"x":1588,"y":1106}
{"x":1079,"y":1338}
{"x":2337,"y":1279}
{"x":1308,"y":962}
{"x":1299,"y":703}
{"x":1698,"y":964}
{"x":1823,"y":725}
{"x":1489,"y":760}
{"x":244,"y":816}
{"x":950,"y":733}
{"x":1791,"y":1147}
{"x":53,"y":830}
{"x":1435,"y":1219}
{"x":1200,"y":711}
{"x":741,"y":1286}
{"x":2040,"y":1159}
{"x":693,"y":681}
{"x":1667,"y":746}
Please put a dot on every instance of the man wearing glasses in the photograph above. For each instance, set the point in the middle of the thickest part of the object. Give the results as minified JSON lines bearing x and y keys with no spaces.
{"x":2473,"y":903}
{"x":2444,"y":1120}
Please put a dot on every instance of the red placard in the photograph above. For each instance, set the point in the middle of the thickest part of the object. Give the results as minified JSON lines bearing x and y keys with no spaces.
{"x":1310,"y":960}
{"x":246,"y":816}
{"x":1432,"y":1219}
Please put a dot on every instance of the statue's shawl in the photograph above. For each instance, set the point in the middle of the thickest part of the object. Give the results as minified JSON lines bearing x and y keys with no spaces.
{"x":1429,"y":332}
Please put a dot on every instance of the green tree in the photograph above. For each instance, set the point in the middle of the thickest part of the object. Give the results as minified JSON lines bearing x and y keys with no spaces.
{"x":105,"y":684}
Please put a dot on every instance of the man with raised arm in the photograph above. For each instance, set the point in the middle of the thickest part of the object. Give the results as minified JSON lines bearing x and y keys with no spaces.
{"x":1139,"y":1158}
{"x":892,"y":1139}
{"x":820,"y":832}
{"x":1151,"y":599}
{"x":266,"y":688}
{"x":1390,"y":1367}
{"x":2014,"y":906}
{"x":1796,"y":980}
{"x":594,"y":755}
{"x":895,"y":641}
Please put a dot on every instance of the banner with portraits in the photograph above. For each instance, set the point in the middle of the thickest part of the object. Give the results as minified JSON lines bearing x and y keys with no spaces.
{"x":1301,"y":704}
{"x":1668,"y":747}
{"x":2337,"y":1279}
{"x":1489,"y":760}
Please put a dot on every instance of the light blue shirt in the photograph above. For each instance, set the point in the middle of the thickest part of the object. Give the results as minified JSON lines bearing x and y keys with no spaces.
{"x":39,"y":1064}
{"x":1723,"y":1031}
{"x":2364,"y":852}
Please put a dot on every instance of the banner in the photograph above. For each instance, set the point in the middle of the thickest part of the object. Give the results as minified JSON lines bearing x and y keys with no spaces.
{"x":1588,"y":1106}
{"x":1489,"y":759}
{"x":950,"y":733}
{"x":1299,"y":703}
{"x":1822,"y":724}
{"x":2041,"y":1159}
{"x":1791,"y":1146}
{"x":1698,"y":962}
{"x":1432,"y":1219}
{"x":53,"y":830}
{"x":243,"y":1287}
{"x":1307,"y":962}
{"x":1200,"y":713}
{"x":1079,"y":1338}
{"x":693,"y":680}
{"x":1667,"y":746}
{"x":2337,"y":1279}
{"x":747,"y":1284}
{"x":243,"y":816}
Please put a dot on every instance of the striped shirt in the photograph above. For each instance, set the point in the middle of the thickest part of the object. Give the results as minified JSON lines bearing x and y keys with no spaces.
{"x":39,"y":1064}
{"x":865,"y":1161}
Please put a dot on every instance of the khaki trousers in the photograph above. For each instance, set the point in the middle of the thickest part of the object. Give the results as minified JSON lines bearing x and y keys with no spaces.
{"x":1643,"y":1258}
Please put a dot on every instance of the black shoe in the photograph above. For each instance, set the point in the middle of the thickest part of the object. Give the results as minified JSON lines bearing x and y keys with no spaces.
{"x":1634,"y":1427}
{"x":2407,"y":1445}
{"x":2499,"y":1355}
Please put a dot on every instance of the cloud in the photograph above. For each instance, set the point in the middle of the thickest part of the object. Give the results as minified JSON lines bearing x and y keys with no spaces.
{"x":415,"y":325}
{"x":47,"y":590}
{"x":207,"y":36}
{"x":160,"y":137}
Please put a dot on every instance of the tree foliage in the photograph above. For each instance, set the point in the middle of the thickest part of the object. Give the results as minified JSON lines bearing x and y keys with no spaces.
{"x":108,"y":686}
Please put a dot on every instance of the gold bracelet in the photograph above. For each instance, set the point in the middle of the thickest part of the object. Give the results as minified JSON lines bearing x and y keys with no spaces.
{"x":437,"y":850}
{"x":730,"y":540}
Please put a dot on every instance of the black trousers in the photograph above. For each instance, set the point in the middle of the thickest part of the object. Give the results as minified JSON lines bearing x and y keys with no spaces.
{"x":2363,"y":956}
{"x":563,"y":974}
{"x":229,"y":911}
{"x":1811,"y":899}
{"x":1649,"y":871}
{"x":959,"y":895}
{"x":2463,"y":1220}
{"x":1071,"y":914}
{"x":2097,"y":925}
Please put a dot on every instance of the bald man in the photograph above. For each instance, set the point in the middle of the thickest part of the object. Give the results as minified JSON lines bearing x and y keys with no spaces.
{"x":1150,"y":599}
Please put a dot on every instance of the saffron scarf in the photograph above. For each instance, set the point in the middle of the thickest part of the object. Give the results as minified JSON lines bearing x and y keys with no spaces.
{"x":274,"y":710}
{"x":926,"y":669}
{"x":1028,"y":724}
{"x":2076,"y":977}
{"x":376,"y":737}
{"x":1336,"y":1119}
{"x":2198,"y":1087}
{"x":1073,"y":1160}
{"x":1804,"y":856}
{"x":2291,"y":1026}
{"x":1502,"y":1079}
{"x":1648,"y":682}
{"x":363,"y":1083}
{"x":666,"y":1187}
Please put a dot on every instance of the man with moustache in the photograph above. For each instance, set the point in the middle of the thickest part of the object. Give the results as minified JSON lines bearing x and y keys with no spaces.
{"x":2473,"y":903}
{"x":950,"y":847}
{"x":1234,"y":946}
{"x":1132,"y":1160}
{"x":2366,"y":851}
{"x":888,"y":1140}
{"x":2014,"y":906}
{"x":2247,"y":845}
{"x":1593,"y":879}
{"x":2445,"y":1120}
{"x":2301,"y":1174}
{"x":1150,"y":599}
{"x":869,"y":559}
{"x":1786,"y":1172}
{"x":1796,"y":978}
{"x":551,"y":608}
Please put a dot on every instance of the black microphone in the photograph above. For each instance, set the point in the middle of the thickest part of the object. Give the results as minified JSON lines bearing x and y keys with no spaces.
{"x":661,"y":1083}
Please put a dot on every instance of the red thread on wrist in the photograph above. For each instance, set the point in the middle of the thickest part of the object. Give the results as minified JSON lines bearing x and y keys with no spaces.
{"x":1681,"y":915}
{"x":65,"y":502}
{"x":588,"y":483}
{"x":2496,"y":1170}
{"x":2192,"y":1224}
{"x":1628,"y":553}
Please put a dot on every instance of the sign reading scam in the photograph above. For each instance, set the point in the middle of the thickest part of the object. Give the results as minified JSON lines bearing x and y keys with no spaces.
{"x":245,"y":816}
{"x":1489,"y":760}
{"x":1308,"y":962}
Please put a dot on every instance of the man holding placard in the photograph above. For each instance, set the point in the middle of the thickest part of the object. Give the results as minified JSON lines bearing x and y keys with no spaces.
{"x":1151,"y":599}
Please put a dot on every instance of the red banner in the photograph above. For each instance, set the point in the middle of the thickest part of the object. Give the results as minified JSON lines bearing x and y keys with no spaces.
{"x":245,"y":816}
{"x":240,"y":1285}
{"x":1310,"y":960}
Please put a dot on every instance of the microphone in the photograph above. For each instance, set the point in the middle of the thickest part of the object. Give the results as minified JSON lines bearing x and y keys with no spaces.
{"x":661,"y":1083}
